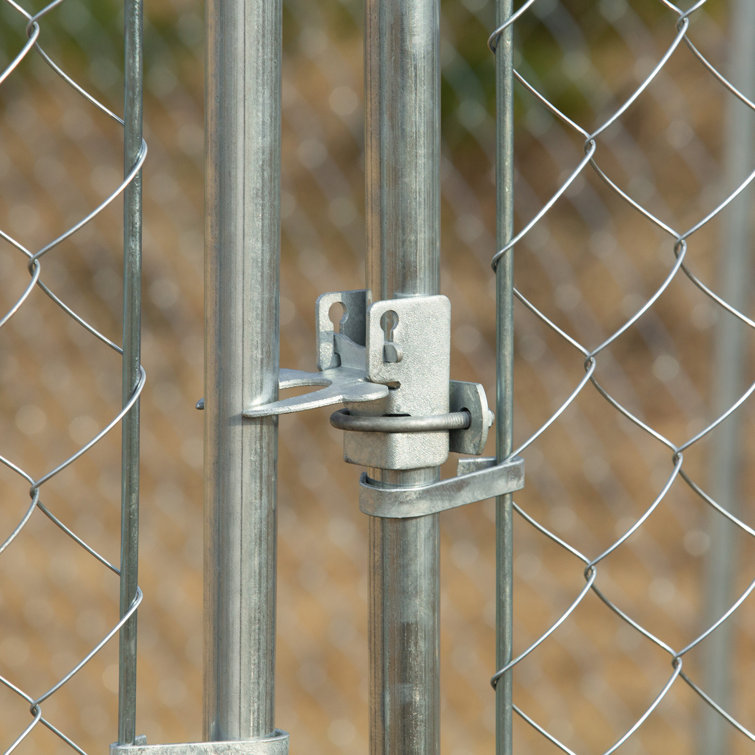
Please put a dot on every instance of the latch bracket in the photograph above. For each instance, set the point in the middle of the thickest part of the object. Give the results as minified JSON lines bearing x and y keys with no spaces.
{"x":342,"y":384}
{"x":341,"y":361}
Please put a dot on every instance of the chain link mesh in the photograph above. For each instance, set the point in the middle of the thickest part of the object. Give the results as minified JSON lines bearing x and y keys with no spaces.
{"x":616,"y":354}
{"x":53,"y":354}
{"x":611,"y":338}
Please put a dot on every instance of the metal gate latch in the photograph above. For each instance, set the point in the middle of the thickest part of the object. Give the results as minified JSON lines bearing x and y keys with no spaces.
{"x":389,"y":363}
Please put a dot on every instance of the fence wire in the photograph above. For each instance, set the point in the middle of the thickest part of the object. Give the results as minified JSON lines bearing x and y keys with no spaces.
{"x":618,"y":522}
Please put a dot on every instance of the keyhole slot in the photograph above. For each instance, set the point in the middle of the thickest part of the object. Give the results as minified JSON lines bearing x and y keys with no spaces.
{"x":388,"y":323}
{"x":391,"y":352}
{"x":337,"y":315}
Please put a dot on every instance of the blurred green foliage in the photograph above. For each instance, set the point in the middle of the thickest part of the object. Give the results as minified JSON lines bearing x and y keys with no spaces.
{"x":85,"y":37}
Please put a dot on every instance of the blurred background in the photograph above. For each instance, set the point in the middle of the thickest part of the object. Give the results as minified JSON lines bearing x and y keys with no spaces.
{"x":589,"y":265}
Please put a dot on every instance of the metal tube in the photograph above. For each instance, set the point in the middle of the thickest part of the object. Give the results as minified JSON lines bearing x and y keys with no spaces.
{"x":504,"y":370}
{"x":131,"y":366}
{"x":402,"y":91}
{"x":404,"y":634}
{"x":402,"y":144}
{"x":242,"y":243}
{"x":726,"y":471}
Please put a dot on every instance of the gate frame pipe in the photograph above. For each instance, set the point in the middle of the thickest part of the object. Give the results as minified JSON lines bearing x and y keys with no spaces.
{"x":729,"y":384}
{"x":402,"y":144}
{"x":242,"y":257}
{"x":131,"y":365}
{"x":504,"y":370}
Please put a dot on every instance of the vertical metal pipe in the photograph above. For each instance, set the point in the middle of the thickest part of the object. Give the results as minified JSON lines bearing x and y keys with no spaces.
{"x":402,"y":87}
{"x":132,"y":295}
{"x":242,"y":241}
{"x":730,"y":344}
{"x":504,"y":370}
{"x":402,"y":91}
{"x":404,"y":634}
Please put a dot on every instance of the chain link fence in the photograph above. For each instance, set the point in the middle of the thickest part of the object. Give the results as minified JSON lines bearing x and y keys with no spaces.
{"x":620,"y":277}
{"x":683,"y":484}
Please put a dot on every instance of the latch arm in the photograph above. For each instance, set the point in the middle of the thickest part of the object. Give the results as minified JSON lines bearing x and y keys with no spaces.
{"x":341,"y":384}
{"x":402,"y":503}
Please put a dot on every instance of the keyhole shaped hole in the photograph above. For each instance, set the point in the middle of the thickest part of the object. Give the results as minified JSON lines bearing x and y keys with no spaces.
{"x":388,"y":323}
{"x":337,"y":314}
{"x":391,"y":352}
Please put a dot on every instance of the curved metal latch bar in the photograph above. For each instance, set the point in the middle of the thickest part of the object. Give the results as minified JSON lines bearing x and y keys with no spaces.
{"x":487,"y":481}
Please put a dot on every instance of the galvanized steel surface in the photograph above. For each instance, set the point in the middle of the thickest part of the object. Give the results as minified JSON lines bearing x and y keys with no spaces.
{"x":132,"y":346}
{"x":736,"y":276}
{"x":402,"y":158}
{"x":487,"y":481}
{"x":501,"y":42}
{"x":242,"y":262}
{"x":417,"y":370}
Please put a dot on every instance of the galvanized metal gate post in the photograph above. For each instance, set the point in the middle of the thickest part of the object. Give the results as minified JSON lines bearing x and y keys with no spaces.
{"x":241,"y":362}
{"x":242,"y":259}
{"x":403,"y":259}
